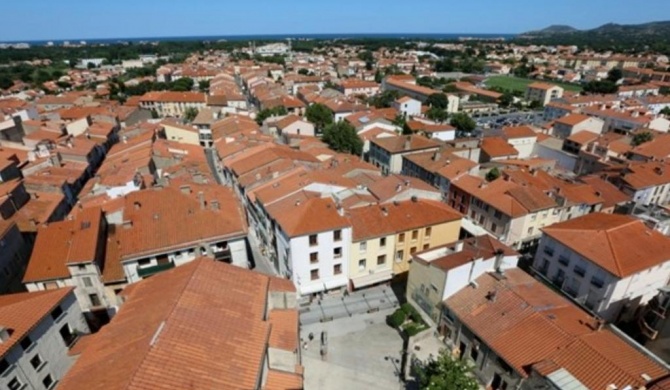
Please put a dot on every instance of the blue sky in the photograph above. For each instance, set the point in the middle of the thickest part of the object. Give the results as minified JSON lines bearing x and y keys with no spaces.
{"x":69,"y":19}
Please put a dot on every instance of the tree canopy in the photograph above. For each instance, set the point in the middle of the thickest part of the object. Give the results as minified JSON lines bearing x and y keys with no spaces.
{"x":342,"y":137}
{"x":640,"y":138}
{"x":444,"y":373}
{"x":462,"y":121}
{"x":600,"y":87}
{"x":268,"y":112}
{"x":437,"y":114}
{"x":190,"y":114}
{"x":493,"y":174}
{"x":438,"y":100}
{"x":319,"y":115}
{"x":665,"y":111}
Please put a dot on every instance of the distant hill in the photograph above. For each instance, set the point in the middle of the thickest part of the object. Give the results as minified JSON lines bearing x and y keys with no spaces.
{"x":611,"y":35}
{"x":555,"y":29}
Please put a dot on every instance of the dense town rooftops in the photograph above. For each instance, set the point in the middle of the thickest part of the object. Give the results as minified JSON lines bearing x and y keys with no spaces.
{"x":402,"y":144}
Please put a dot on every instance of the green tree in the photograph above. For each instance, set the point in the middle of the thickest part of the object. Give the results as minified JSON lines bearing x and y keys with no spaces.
{"x":203,"y":85}
{"x":506,"y":99}
{"x":450,"y":88}
{"x":320,"y":115}
{"x":184,"y":84}
{"x":378,"y":76}
{"x":342,"y":137}
{"x":445,"y":65}
{"x":303,"y":71}
{"x":190,"y":114}
{"x":462,"y":121}
{"x":384,"y":99}
{"x":437,"y":114}
{"x":535,"y":105}
{"x":268,"y":112}
{"x":664,"y":90}
{"x":665,"y":111}
{"x":438,"y":100}
{"x":493,"y":174}
{"x":6,"y":82}
{"x":600,"y":87}
{"x":640,"y":138}
{"x":444,"y":373}
{"x":614,"y":75}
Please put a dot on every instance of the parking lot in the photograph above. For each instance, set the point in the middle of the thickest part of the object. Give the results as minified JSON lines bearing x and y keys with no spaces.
{"x":363,"y":353}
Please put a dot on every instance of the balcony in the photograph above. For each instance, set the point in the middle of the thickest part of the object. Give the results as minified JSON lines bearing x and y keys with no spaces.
{"x":145,"y":272}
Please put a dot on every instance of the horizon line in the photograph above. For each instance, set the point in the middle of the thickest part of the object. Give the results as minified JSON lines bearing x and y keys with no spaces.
{"x":363,"y":34}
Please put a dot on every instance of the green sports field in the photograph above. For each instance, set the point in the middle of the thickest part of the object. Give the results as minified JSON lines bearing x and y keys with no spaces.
{"x":519,"y":84}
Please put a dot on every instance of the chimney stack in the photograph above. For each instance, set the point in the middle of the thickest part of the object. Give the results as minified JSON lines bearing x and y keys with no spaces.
{"x":201,"y":199}
{"x":4,"y":334}
{"x":408,"y":143}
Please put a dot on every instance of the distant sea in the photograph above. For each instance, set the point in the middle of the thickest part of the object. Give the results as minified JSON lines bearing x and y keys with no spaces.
{"x":273,"y":37}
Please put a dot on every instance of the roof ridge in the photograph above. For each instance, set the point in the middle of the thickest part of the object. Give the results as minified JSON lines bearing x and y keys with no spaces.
{"x":611,"y":246}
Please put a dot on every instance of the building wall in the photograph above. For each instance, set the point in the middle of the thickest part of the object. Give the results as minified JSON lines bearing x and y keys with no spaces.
{"x":49,"y":345}
{"x":524,"y":146}
{"x":86,"y":277}
{"x":182,"y":136}
{"x":372,"y":250}
{"x":14,"y":256}
{"x":300,"y":251}
{"x":440,"y":234}
{"x":299,"y":128}
{"x":425,"y":288}
{"x":558,"y":262}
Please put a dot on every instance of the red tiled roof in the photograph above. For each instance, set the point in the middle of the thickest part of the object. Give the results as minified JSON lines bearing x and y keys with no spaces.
{"x":554,"y":331}
{"x":620,"y":244}
{"x":181,"y":330}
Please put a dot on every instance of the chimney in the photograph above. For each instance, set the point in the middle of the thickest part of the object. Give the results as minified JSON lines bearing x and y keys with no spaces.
{"x":4,"y":334}
{"x":458,"y":247}
{"x":185,"y":189}
{"x":408,"y":143}
{"x":215,"y":205}
{"x":385,"y":211}
{"x":398,"y":188}
{"x":436,"y":156}
{"x":137,"y":205}
{"x":491,"y":295}
{"x":124,"y":139}
{"x":201,"y":199}
{"x":497,"y":265}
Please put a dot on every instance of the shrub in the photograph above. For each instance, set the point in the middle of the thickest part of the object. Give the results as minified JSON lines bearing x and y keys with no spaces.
{"x":411,"y":312}
{"x":396,"y":319}
{"x":413,"y":329}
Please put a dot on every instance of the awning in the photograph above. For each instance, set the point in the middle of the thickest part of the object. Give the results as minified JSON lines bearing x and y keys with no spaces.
{"x":376,"y":277}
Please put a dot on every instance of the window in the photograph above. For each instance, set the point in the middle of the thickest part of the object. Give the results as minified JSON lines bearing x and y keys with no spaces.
{"x":36,"y":362}
{"x":381,"y":260}
{"x":361,"y":264}
{"x":399,"y":256}
{"x":494,"y":227}
{"x":401,"y":237}
{"x":66,"y":335}
{"x":57,"y":312}
{"x":87,"y":281}
{"x":48,"y":382}
{"x":313,"y":240}
{"x":429,"y":230}
{"x":580,"y":268}
{"x":415,"y":235}
{"x":26,"y":343}
{"x":530,"y":230}
{"x":314,"y":274}
{"x":144,"y":262}
{"x":426,"y":246}
{"x":533,"y":217}
{"x":337,"y":253}
{"x":382,"y":242}
{"x":337,"y":269}
{"x":497,"y":214}
{"x":314,"y":257}
{"x":81,"y":267}
{"x":95,"y":300}
{"x":4,"y":366}
{"x":337,"y":235}
{"x":363,"y":246}
{"x":14,"y":384}
{"x":412,"y":250}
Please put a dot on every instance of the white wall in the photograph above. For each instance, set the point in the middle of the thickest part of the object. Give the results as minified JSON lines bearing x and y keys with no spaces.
{"x":524,"y":146}
{"x":300,"y":251}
